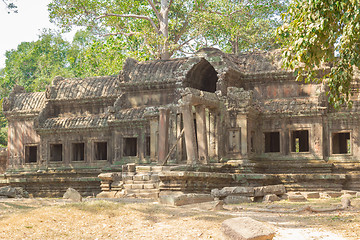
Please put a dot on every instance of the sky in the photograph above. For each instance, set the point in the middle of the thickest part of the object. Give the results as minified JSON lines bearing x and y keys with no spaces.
{"x":24,"y":26}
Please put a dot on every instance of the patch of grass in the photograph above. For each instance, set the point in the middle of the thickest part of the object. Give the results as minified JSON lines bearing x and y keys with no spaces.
{"x":17,"y":206}
{"x":95,"y":206}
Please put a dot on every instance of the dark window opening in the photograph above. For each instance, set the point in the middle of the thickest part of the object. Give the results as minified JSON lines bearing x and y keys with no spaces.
{"x":100,"y":150}
{"x":272,"y":142}
{"x":130,"y":147}
{"x":300,"y":141}
{"x":147,"y":146}
{"x":78,"y":152}
{"x":30,"y":154}
{"x":56,"y":152}
{"x":202,"y":76}
{"x":341,"y":143}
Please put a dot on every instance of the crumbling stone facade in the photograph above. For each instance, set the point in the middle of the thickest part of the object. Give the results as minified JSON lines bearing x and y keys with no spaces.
{"x":208,"y":108}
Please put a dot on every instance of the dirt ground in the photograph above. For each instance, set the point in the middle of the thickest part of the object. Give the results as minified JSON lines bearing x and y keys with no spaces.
{"x":137,"y":219}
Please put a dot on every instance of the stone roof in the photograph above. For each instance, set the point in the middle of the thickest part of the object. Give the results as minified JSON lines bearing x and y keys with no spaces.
{"x":151,"y":71}
{"x":81,"y":122}
{"x":257,"y":62}
{"x":132,"y":114}
{"x":92,"y":87}
{"x":25,"y":102}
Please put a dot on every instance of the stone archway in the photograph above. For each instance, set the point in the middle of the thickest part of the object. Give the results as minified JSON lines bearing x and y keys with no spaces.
{"x":202,"y":76}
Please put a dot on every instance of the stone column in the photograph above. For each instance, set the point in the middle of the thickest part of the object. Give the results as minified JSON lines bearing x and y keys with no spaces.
{"x":179,"y":146}
{"x":141,"y":146}
{"x":163,"y":134}
{"x":117,"y":146}
{"x":154,"y":128}
{"x":213,"y":135}
{"x":201,"y":134}
{"x":242,"y":123}
{"x":190,"y":140}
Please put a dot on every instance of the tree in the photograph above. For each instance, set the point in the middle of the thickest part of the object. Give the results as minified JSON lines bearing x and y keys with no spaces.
{"x":320,"y":33}
{"x":146,"y":19}
{"x":167,"y":27}
{"x":243,"y":25}
{"x":34,"y":64}
{"x":10,"y":6}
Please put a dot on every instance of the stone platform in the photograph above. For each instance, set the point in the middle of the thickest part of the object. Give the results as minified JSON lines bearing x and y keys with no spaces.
{"x":148,"y":181}
{"x":54,"y":183}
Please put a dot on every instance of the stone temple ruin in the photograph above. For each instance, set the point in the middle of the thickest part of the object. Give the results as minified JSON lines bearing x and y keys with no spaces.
{"x":191,"y":124}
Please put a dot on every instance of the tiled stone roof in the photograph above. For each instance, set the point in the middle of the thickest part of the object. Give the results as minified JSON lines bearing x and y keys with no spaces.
{"x":256,"y":62}
{"x":81,"y":122}
{"x":26,"y":102}
{"x":151,"y":71}
{"x":91,"y":87}
{"x":132,"y":114}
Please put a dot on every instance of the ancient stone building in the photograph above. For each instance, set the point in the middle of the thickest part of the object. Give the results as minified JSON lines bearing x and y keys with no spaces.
{"x":209,"y":108}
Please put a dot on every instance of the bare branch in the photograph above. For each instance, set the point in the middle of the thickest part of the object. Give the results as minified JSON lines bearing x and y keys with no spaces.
{"x":154,"y":9}
{"x":182,"y":44}
{"x":122,"y":33}
{"x":130,"y":16}
{"x":149,"y":46}
{"x":168,"y":8}
{"x":182,"y":31}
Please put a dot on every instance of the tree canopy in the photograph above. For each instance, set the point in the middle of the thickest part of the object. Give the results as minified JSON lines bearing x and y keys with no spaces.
{"x":318,"y":33}
{"x":237,"y":26}
{"x":34,"y":64}
{"x":167,"y":27}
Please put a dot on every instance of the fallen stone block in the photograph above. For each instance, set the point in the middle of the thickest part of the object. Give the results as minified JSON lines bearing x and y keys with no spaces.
{"x":296,"y":198}
{"x":227,"y":191}
{"x":107,"y":194}
{"x":179,"y":199}
{"x":346,"y":200}
{"x":8,"y":191}
{"x":13,"y":192}
{"x":271,"y":198}
{"x":72,"y":195}
{"x":237,"y":199}
{"x":110,"y":176}
{"x":311,"y":194}
{"x":357,"y":195}
{"x":271,"y":189}
{"x":245,"y":228}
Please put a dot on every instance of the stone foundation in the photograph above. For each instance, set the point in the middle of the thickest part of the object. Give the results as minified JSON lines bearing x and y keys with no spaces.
{"x":54,"y":183}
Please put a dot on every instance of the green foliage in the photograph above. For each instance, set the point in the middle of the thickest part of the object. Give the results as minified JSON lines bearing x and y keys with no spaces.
{"x":34,"y":64}
{"x":176,"y":27}
{"x":321,"y":33}
{"x":3,"y":127}
{"x":237,"y":26}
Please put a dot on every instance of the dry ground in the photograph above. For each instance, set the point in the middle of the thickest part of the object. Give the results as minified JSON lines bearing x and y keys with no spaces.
{"x":56,"y":219}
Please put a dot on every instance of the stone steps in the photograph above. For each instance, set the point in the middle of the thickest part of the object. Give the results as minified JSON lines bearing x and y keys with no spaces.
{"x":144,"y":182}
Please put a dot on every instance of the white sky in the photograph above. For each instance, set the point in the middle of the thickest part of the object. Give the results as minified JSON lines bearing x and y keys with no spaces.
{"x":24,"y":26}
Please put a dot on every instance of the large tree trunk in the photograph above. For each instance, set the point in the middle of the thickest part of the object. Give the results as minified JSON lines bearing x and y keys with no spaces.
{"x":164,"y":29}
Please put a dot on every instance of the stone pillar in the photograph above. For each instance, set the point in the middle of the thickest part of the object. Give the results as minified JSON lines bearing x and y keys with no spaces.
{"x":154,"y":128}
{"x":163,"y":134}
{"x":201,"y":134}
{"x":242,"y":123}
{"x":179,"y":146}
{"x":213,"y":135}
{"x":117,"y":146}
{"x":190,"y":140}
{"x":141,"y":146}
